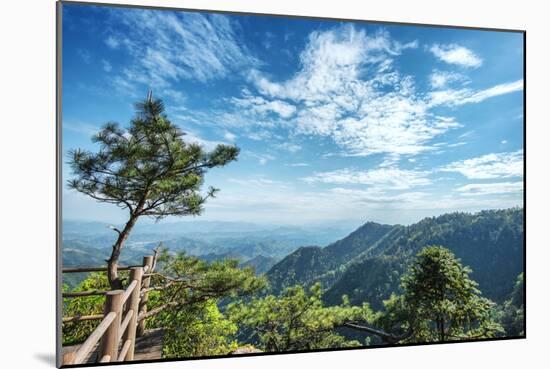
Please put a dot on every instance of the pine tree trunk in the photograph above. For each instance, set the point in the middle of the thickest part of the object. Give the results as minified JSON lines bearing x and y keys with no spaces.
{"x":112,"y":263}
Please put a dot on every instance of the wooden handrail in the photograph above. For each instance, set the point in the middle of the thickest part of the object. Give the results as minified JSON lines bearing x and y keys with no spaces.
{"x":83,"y":293}
{"x":89,"y":344}
{"x":93,"y":269}
{"x":129,"y":291}
{"x":148,"y":262}
{"x":81,"y":318}
{"x":120,"y":318}
{"x":124,"y":324}
{"x":132,"y":306}
{"x":124,"y":350}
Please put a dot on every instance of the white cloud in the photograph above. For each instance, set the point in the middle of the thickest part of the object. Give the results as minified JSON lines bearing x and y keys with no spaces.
{"x":502,"y":89}
{"x":440,"y":79}
{"x":297,"y":165}
{"x":208,"y":145}
{"x":504,"y":142}
{"x":263,"y":159}
{"x":178,"y":98}
{"x":112,"y":42}
{"x":229,"y":136}
{"x":457,"y":144}
{"x":496,"y":165}
{"x":480,"y":189}
{"x":166,"y":47}
{"x":288,"y":146}
{"x":386,"y":178}
{"x":261,"y":106}
{"x":259,"y":135}
{"x":456,"y":54}
{"x":467,"y":96}
{"x":346,"y":89}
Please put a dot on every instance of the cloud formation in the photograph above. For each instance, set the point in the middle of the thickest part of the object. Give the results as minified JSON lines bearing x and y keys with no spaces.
{"x":166,"y":47}
{"x":456,"y":54}
{"x":387,"y":178}
{"x":463,"y":96}
{"x":495,"y":165}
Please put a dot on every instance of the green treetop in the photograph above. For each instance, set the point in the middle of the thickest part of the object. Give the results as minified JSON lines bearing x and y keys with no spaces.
{"x":440,"y":302}
{"x":296,"y":320}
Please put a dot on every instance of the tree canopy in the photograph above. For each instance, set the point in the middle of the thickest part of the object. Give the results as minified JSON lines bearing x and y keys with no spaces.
{"x":296,"y":320}
{"x":440,"y":302}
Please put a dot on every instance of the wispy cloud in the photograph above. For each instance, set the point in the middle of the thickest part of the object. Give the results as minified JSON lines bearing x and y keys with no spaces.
{"x":288,"y":146}
{"x":480,"y":189}
{"x":440,"y":79}
{"x":298,"y":165}
{"x":496,"y":165}
{"x":178,"y":46}
{"x":112,"y":42}
{"x":263,"y":159}
{"x":261,"y":106}
{"x":468,"y":96}
{"x":231,"y":137}
{"x":456,"y":54}
{"x":388,"y":178}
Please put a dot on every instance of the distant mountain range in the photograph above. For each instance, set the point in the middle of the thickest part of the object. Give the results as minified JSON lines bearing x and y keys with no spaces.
{"x":367,"y":264}
{"x":260,"y":246}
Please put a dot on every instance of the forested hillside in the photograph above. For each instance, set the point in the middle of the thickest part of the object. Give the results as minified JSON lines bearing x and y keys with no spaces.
{"x":367,"y":264}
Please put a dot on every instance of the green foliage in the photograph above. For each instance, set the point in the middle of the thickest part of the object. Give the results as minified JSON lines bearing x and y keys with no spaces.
{"x":440,"y":301}
{"x":148,"y":168}
{"x":187,"y":303}
{"x":77,"y":332}
{"x":191,"y":279}
{"x":297,"y":320}
{"x":198,"y":330}
{"x":513,"y":310}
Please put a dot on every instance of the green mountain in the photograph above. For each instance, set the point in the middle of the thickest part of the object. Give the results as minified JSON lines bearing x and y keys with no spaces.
{"x":367,"y":264}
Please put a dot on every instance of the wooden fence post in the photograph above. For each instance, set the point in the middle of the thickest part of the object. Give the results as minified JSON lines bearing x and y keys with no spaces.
{"x":147,"y":261}
{"x":109,"y":341}
{"x":136,"y":274}
{"x":69,"y":358}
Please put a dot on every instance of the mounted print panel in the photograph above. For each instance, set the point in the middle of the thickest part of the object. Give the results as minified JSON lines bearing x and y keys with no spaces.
{"x":247,"y":184}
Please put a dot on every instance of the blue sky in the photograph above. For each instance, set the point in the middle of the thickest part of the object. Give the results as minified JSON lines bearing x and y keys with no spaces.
{"x":335,"y":120}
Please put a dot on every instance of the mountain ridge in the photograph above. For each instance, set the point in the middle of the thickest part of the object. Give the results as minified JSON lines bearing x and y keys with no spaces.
{"x":367,"y":264}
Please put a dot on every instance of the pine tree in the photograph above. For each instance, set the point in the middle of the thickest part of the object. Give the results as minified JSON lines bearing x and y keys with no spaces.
{"x":147,"y":169}
{"x":441,"y":302}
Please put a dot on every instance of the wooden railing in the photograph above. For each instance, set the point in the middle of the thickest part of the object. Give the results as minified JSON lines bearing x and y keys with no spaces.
{"x":120,"y":323}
